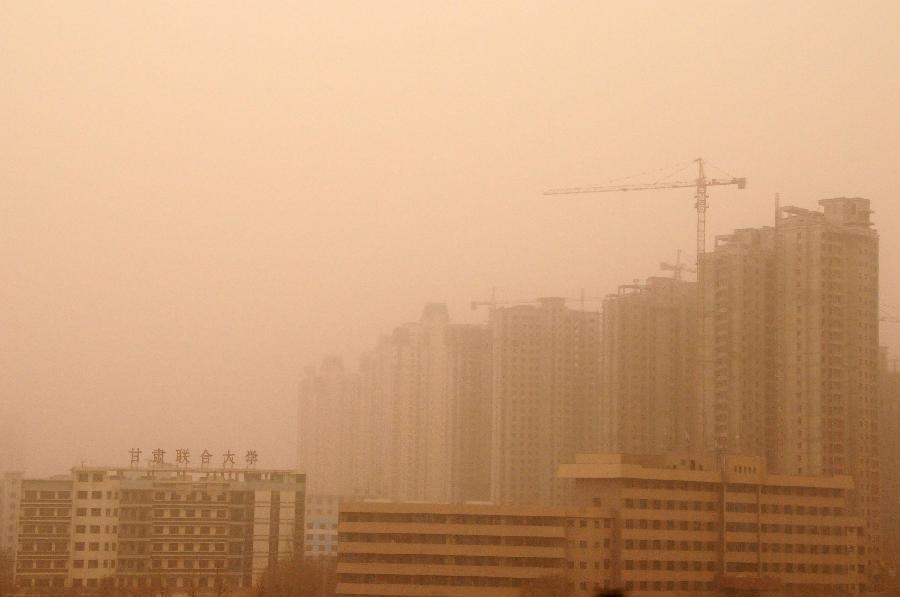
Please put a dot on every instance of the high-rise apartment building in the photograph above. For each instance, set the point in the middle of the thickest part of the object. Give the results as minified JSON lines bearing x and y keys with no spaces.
{"x":178,"y":529}
{"x":790,"y":349}
{"x":739,"y":347}
{"x":889,"y":395}
{"x":648,"y":390}
{"x":10,"y":493}
{"x":333,"y":430}
{"x":426,"y":391}
{"x":468,"y":354}
{"x":545,"y":397}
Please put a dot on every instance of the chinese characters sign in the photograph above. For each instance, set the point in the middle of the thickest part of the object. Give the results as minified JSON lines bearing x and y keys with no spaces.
{"x":226,"y":459}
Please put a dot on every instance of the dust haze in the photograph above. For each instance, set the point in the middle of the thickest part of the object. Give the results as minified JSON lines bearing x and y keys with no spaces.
{"x":200,"y":200}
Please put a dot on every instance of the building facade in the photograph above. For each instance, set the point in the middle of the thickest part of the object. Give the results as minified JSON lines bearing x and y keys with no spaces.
{"x":175,"y":528}
{"x":10,"y":492}
{"x":333,"y":430}
{"x":889,"y":395}
{"x":321,"y":538}
{"x":648,"y":390}
{"x":470,"y":550}
{"x":427,"y":394}
{"x":545,"y":373}
{"x":739,"y":348}
{"x":791,"y":349}
{"x":685,"y":525}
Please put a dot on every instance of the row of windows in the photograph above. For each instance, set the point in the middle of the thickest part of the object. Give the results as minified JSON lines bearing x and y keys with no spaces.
{"x":696,"y":565}
{"x":46,"y":512}
{"x":643,"y":504}
{"x":450,"y":539}
{"x":218,"y":581}
{"x":201,"y":564}
{"x":30,"y":496}
{"x":430,"y":518}
{"x":43,"y":547}
{"x":431,"y":579}
{"x":189,"y":547}
{"x":90,"y":477}
{"x":800,"y":529}
{"x":44,"y":529}
{"x":190,"y":530}
{"x":96,"y":495}
{"x":94,"y":546}
{"x":669,"y":585}
{"x":658,"y":545}
{"x":680,"y":525}
{"x":95,"y":529}
{"x":191,"y":513}
{"x":458,"y":560}
{"x":93,"y":563}
{"x":41,"y":564}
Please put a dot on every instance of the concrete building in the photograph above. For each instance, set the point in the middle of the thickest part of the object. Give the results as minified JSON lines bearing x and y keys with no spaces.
{"x":684,"y":525}
{"x":321,"y":539}
{"x":468,"y":362}
{"x":648,"y":390}
{"x":889,"y":395}
{"x":426,"y":388}
{"x":470,"y":550}
{"x":178,"y":528}
{"x":10,"y":492}
{"x":791,"y":347}
{"x":545,"y":397}
{"x":333,"y":430}
{"x":739,"y":348}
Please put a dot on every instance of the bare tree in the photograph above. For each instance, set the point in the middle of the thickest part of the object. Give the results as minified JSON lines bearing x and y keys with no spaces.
{"x":7,"y":561}
{"x":545,"y":586}
{"x":298,"y":578}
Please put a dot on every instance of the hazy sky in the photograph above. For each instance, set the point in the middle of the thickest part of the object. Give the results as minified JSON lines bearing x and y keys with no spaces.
{"x":197,"y":200}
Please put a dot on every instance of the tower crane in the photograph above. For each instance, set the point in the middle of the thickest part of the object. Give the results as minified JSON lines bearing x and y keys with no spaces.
{"x":676,"y":268}
{"x":701,"y":183}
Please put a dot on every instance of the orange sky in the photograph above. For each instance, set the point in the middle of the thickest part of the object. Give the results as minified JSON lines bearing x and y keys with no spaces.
{"x":200,"y":199}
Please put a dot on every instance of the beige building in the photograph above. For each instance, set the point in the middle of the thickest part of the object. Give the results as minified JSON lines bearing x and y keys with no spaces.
{"x":791,"y":344}
{"x":687,"y":526}
{"x":469,"y":550}
{"x":10,"y":492}
{"x":652,"y":525}
{"x":320,"y":540}
{"x":545,"y":397}
{"x":333,"y":430}
{"x":648,"y":390}
{"x":426,"y":389}
{"x":889,"y":394}
{"x":183,"y":529}
{"x":739,"y":348}
{"x":468,"y":353}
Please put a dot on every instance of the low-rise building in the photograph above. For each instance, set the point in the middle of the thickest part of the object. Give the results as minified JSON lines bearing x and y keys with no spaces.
{"x":184,"y":529}
{"x":470,"y":550}
{"x":703,"y":526}
{"x":652,"y":525}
